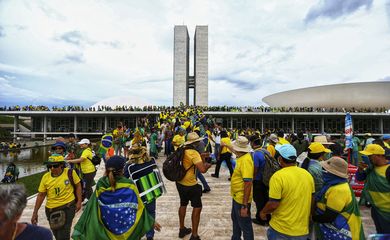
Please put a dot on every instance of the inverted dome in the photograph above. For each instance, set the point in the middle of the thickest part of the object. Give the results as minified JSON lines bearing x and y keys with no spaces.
{"x":357,"y":95}
{"x":122,"y":101}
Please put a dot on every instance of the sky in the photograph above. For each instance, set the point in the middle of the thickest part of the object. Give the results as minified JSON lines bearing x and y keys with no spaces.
{"x":73,"y":52}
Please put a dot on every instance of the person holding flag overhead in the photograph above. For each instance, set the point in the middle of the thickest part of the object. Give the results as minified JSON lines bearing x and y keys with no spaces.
{"x":115,"y":210}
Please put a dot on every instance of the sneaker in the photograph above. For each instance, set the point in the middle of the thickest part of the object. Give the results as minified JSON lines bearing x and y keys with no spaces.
{"x":149,"y":238}
{"x":184,"y":231}
{"x":194,"y":238}
{"x":214,"y":175}
{"x":85,"y":202}
{"x":206,"y":190}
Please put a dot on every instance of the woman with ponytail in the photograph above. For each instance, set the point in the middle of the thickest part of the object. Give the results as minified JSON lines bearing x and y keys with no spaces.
{"x":117,"y":205}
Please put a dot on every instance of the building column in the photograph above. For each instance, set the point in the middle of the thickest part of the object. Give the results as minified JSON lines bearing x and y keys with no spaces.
{"x":105,"y":124}
{"x":292,"y":124}
{"x":75,"y":124}
{"x":322,"y":125}
{"x":231,"y":122}
{"x":381,"y":125}
{"x":44,"y":128}
{"x":136,"y":122}
{"x":16,"y":126}
{"x":262,"y":124}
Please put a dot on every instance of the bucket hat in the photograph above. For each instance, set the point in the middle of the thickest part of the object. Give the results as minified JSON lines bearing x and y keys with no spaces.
{"x":273,"y":138}
{"x":336,"y":166}
{"x":241,"y":145}
{"x":192,"y":137}
{"x":322,"y":139}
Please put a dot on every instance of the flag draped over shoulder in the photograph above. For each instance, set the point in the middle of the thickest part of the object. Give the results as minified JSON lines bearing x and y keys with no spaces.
{"x":118,"y":215}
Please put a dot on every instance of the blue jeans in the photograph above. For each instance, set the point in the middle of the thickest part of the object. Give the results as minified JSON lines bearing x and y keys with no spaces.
{"x":355,"y":158}
{"x":274,"y":235}
{"x":200,"y":176}
{"x":151,"y":208}
{"x":241,"y":224}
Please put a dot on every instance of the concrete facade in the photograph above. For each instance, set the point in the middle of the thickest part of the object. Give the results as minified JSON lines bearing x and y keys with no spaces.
{"x":182,"y":81}
{"x":201,"y":66}
{"x":181,"y":65}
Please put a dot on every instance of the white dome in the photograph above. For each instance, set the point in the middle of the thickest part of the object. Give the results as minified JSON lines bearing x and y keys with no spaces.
{"x":122,"y":101}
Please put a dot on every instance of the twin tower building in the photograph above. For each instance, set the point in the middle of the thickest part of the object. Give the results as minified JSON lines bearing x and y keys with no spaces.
{"x":182,"y":81}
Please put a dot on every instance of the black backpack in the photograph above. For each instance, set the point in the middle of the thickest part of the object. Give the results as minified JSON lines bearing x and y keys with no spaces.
{"x":270,"y":167}
{"x":173,"y":167}
{"x":96,"y":159}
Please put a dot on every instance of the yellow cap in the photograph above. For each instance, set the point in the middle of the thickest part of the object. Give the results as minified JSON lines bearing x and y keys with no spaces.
{"x":55,"y":159}
{"x":373,"y":149}
{"x":317,"y":147}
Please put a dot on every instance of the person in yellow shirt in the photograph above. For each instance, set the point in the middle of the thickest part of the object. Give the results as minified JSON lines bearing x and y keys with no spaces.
{"x":290,"y":198}
{"x":59,"y":189}
{"x":241,"y":189}
{"x":179,"y":138}
{"x":188,"y":187}
{"x":386,"y":140}
{"x":272,"y":141}
{"x":88,"y":170}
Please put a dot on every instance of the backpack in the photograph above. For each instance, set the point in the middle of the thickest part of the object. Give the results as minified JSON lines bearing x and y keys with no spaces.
{"x":70,"y":177}
{"x":96,"y":159}
{"x":270,"y":167}
{"x":173,"y":167}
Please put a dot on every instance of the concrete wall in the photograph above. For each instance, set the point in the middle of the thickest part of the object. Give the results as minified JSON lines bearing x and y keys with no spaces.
{"x":201,"y":66}
{"x":181,"y":65}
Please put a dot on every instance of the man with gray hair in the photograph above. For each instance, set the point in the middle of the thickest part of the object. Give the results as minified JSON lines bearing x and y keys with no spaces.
{"x":13,"y":200}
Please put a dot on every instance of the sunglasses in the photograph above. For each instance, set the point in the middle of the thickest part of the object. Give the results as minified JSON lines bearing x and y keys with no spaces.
{"x":58,"y":148}
{"x":54,"y":166}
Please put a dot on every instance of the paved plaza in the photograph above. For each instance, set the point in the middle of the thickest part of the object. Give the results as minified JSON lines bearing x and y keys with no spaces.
{"x":215,"y":223}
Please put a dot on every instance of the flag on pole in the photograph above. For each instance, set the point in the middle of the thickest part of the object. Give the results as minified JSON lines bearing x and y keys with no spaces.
{"x":348,"y":131}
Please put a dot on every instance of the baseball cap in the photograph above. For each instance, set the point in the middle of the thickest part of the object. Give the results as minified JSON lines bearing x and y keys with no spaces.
{"x":317,"y":147}
{"x":116,"y":162}
{"x":84,"y":141}
{"x":59,"y":144}
{"x":373,"y":149}
{"x":386,"y":136}
{"x":287,"y":151}
{"x":273,"y":138}
{"x":54,"y":159}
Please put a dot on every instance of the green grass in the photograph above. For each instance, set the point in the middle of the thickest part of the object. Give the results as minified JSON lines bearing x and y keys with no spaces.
{"x":31,"y":182}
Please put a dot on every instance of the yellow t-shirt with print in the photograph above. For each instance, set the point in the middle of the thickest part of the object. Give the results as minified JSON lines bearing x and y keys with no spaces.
{"x":59,"y":190}
{"x":338,"y":197}
{"x":294,"y":187}
{"x":190,"y":159}
{"x":283,"y":141}
{"x":86,"y":165}
{"x":226,"y":141}
{"x":243,"y":170}
{"x":178,"y":140}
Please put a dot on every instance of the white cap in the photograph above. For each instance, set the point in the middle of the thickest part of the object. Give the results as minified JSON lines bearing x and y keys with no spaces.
{"x":84,"y":141}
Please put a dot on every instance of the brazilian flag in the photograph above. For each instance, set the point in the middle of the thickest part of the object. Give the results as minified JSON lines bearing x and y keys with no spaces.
{"x":118,"y":215}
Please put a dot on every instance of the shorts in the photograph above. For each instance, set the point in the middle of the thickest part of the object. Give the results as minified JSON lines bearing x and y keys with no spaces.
{"x":190,"y":193}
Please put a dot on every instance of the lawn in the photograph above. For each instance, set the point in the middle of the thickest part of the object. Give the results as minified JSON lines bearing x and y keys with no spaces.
{"x":31,"y":182}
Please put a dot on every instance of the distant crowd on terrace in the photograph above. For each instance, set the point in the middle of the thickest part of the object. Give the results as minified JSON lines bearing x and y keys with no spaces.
{"x":205,"y":109}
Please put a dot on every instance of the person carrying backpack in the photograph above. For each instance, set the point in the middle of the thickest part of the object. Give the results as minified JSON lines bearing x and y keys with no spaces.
{"x":260,"y":190}
{"x":188,"y":187}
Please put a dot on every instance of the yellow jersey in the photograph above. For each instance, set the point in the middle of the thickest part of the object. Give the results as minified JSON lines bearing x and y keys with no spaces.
{"x":59,"y":190}
{"x":293,"y":187}
{"x":86,"y":165}
{"x":242,"y":172}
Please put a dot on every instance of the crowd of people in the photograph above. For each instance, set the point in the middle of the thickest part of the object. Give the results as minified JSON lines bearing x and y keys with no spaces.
{"x":299,"y":184}
{"x":125,"y":108}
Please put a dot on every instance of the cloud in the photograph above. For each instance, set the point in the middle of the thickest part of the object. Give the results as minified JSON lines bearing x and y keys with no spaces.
{"x":21,"y":70}
{"x":50,"y":12}
{"x":2,"y":33}
{"x":334,"y":8}
{"x":73,"y":37}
